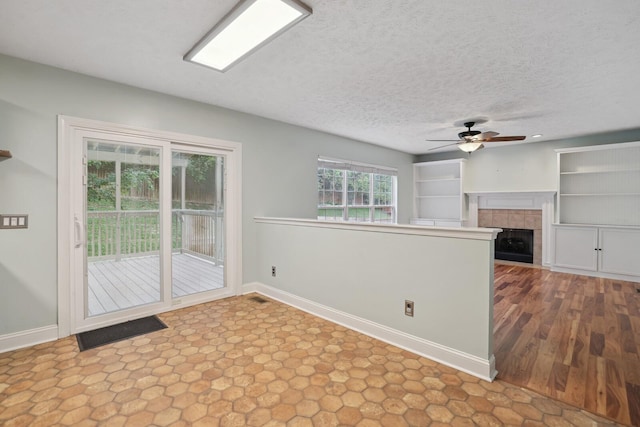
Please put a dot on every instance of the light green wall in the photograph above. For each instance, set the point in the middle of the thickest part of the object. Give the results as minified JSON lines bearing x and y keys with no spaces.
{"x":371,"y":274}
{"x":522,"y":167}
{"x":279,"y":163}
{"x":278,"y":176}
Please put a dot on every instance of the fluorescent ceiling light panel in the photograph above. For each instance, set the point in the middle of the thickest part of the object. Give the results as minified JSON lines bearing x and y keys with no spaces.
{"x":248,"y":26}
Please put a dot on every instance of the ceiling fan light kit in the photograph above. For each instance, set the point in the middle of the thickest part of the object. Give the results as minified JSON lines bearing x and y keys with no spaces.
{"x":470,"y":147}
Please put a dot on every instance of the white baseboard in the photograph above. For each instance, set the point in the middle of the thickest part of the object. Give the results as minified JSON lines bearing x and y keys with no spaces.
{"x":247,"y":288}
{"x":28,"y":338}
{"x":613,"y":276}
{"x":473,"y":365}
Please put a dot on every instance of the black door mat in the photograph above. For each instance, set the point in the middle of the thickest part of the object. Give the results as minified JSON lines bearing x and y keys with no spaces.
{"x":119,"y":332}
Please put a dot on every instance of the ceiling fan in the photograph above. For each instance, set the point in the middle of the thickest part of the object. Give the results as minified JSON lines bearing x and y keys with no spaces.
{"x":472,"y":140}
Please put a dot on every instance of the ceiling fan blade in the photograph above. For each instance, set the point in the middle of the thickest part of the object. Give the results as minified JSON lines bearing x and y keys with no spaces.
{"x":442,"y":140}
{"x":442,"y":146}
{"x":505,"y":138}
{"x":486,"y":135}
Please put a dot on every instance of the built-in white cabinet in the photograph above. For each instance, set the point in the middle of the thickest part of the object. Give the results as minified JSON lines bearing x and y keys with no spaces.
{"x":619,"y":251}
{"x":576,"y":247}
{"x":599,"y":185}
{"x":601,"y":251}
{"x":599,"y":211}
{"x":439,"y":199}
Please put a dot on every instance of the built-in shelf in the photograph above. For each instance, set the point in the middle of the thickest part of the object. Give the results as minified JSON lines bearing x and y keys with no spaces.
{"x":438,"y":197}
{"x":599,"y":227}
{"x":4,"y":155}
{"x":599,"y":184}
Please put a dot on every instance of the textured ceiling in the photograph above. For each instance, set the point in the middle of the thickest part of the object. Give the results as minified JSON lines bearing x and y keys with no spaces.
{"x":389,"y":72}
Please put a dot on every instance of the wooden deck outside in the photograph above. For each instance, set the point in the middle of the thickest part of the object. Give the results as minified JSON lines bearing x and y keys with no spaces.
{"x":116,"y":285}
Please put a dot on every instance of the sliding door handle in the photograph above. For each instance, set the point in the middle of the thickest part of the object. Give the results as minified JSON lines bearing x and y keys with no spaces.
{"x":78,"y":235}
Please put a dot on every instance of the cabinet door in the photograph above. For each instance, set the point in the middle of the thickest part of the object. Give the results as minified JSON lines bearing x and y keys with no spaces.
{"x":576,"y":247}
{"x":620,"y":251}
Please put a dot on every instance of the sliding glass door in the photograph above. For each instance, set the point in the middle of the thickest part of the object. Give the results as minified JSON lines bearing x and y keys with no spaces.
{"x":197,"y":223}
{"x":122,"y":217}
{"x":148,"y":226}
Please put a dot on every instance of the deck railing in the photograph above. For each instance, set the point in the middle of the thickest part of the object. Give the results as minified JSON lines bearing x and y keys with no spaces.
{"x":121,"y":234}
{"x":201,"y":233}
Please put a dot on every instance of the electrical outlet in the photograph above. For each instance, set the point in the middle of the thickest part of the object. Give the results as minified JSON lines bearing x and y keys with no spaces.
{"x":408,"y":308}
{"x":273,"y":270}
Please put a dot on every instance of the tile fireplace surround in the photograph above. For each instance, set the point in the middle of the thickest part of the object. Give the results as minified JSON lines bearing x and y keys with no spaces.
{"x":532,"y":210}
{"x":516,"y":218}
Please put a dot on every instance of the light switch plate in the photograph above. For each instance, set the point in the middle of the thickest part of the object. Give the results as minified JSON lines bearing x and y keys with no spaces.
{"x":14,"y":221}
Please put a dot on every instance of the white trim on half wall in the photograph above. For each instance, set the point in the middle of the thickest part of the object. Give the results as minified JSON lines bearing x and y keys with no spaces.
{"x":472,"y":365}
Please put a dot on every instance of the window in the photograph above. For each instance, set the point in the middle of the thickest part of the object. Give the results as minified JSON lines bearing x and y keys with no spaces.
{"x":356,"y":192}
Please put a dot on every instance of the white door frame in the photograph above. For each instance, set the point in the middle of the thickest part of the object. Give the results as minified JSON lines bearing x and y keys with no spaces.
{"x":70,"y":135}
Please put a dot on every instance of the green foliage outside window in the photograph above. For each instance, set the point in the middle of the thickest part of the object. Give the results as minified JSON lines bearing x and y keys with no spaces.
{"x":362,"y":189}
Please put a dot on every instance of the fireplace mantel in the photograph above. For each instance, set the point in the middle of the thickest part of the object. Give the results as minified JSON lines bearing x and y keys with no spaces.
{"x":532,"y":200}
{"x":511,"y":199}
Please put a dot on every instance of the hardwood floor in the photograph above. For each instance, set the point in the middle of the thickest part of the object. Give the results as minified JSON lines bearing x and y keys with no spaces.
{"x":573,"y":338}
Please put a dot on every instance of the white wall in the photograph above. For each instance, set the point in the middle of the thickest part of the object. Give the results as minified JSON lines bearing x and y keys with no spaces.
{"x":279,"y":164}
{"x":522,"y":167}
{"x":370,"y":273}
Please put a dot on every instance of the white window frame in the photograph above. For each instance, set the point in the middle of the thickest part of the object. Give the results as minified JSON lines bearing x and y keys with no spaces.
{"x":348,"y":166}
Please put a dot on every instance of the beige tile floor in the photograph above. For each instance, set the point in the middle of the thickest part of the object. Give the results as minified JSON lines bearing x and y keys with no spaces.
{"x":236,"y":362}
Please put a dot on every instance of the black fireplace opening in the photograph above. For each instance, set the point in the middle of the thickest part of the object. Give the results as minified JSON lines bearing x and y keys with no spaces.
{"x":514,"y":244}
